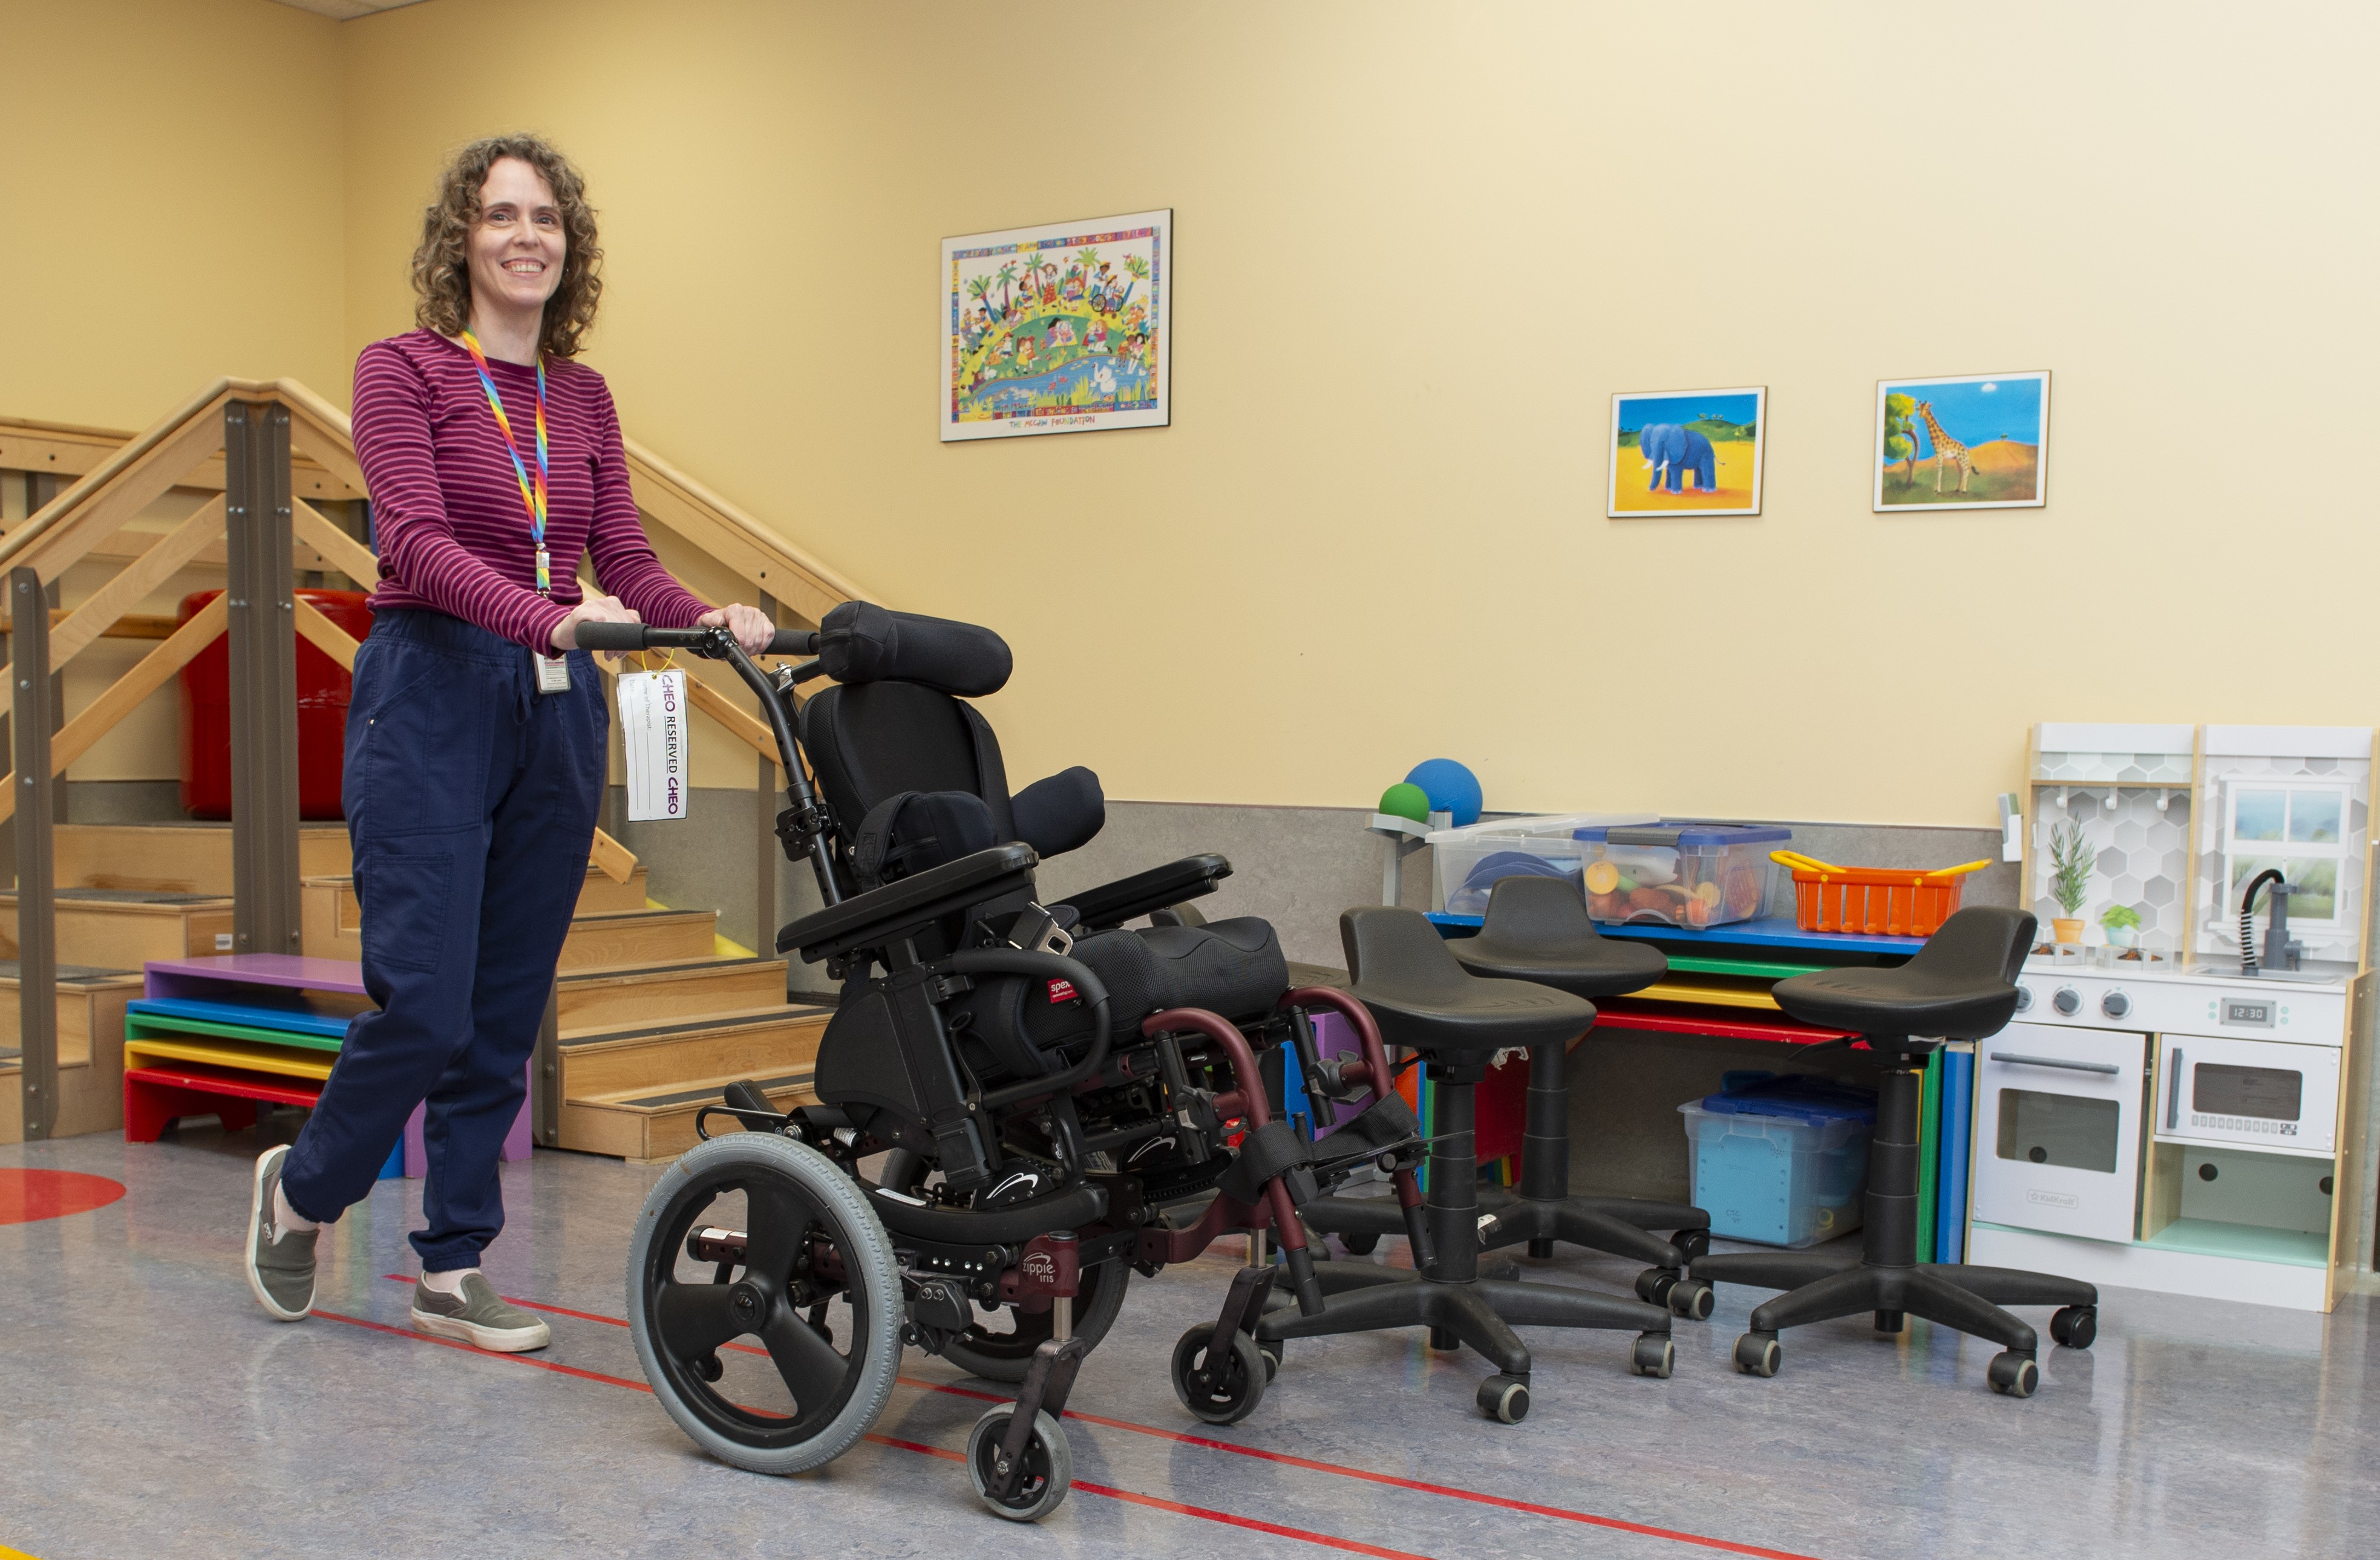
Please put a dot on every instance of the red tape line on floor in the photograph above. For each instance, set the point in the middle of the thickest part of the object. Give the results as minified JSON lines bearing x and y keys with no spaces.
{"x":1287,"y":1459}
{"x":1130,"y":1497}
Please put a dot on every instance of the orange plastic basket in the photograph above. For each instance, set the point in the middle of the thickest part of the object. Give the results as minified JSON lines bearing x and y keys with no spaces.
{"x":1890,"y":900}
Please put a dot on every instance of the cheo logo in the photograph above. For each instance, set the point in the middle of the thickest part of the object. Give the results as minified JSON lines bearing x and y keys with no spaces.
{"x":2053,"y":1199}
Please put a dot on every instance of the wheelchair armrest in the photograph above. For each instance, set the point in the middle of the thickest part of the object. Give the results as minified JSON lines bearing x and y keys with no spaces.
{"x":1112,"y":904}
{"x":876,"y":917}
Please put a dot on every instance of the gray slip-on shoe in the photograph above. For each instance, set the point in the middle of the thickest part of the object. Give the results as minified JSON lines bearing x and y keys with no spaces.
{"x":478,"y":1316}
{"x":280,"y":1261}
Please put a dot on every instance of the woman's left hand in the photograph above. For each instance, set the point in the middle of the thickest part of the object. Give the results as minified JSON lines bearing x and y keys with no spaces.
{"x":752,"y":630}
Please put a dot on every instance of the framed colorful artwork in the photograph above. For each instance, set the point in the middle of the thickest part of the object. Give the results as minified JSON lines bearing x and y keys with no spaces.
{"x":1065,"y":328}
{"x":1967,"y":441}
{"x":1686,"y":452}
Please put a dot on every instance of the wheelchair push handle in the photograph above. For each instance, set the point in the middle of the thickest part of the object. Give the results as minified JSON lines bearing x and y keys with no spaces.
{"x":617,"y":638}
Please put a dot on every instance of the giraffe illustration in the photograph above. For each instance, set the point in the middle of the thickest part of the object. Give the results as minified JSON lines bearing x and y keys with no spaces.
{"x":1945,"y":450}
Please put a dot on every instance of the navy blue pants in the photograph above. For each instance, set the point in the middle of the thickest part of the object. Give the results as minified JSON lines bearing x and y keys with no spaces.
{"x":472,"y":803}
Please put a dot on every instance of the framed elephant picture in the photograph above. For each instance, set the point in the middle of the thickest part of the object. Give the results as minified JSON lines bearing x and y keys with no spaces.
{"x":1686,"y":452}
{"x":1966,"y":442}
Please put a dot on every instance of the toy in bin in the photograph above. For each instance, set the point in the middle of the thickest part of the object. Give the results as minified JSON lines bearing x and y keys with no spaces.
{"x":1691,"y":875}
{"x":1780,"y":1161}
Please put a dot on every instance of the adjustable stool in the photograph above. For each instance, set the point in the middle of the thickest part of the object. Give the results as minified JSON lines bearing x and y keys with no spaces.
{"x":1960,"y":986}
{"x":1422,"y":1000}
{"x":1537,"y":929}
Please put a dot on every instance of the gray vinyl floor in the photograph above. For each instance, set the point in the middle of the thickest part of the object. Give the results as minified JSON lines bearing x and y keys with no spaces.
{"x":149,"y":1409}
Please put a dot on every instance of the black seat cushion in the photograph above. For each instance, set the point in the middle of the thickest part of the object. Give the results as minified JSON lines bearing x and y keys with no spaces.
{"x":1961,"y":984}
{"x":1422,"y":999}
{"x":1537,"y":929}
{"x":1234,"y":967}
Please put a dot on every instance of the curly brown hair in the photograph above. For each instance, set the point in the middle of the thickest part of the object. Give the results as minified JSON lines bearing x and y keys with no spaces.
{"x":442,"y":266}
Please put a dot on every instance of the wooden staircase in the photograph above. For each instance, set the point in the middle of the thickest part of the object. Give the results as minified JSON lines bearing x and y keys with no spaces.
{"x":91,"y":1049}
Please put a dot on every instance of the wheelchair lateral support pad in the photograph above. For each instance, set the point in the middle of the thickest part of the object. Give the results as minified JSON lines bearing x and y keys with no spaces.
{"x":883,"y":914}
{"x":1112,"y":904}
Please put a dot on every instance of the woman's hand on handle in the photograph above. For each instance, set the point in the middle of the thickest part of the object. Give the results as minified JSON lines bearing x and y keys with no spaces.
{"x":752,"y":630}
{"x":594,"y":609}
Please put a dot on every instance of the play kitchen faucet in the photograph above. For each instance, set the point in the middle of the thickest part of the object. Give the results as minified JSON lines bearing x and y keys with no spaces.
{"x":2281,"y":950}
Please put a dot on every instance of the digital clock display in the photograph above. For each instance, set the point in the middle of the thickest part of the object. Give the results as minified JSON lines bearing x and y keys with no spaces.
{"x":2258,"y":1014}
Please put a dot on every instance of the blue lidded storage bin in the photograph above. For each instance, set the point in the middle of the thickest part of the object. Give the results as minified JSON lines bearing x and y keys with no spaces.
{"x":1781,"y":1161}
{"x":1691,"y":875}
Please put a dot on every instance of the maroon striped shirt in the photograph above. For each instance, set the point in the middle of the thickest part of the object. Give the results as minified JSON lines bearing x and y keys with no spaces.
{"x":447,"y":515}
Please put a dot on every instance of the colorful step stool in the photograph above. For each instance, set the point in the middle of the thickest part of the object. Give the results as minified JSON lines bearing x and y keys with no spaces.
{"x":216,"y":1036}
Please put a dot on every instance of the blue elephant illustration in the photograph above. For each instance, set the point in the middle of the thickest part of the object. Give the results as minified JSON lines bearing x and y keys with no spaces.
{"x":1671,"y":452}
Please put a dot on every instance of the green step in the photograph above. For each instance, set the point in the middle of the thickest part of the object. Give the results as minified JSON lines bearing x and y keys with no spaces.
{"x":1695,"y":963}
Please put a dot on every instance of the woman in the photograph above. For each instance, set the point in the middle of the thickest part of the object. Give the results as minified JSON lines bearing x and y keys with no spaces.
{"x":476,"y":738}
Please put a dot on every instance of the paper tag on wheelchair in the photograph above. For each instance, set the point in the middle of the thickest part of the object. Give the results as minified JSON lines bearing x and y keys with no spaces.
{"x":654,"y":739}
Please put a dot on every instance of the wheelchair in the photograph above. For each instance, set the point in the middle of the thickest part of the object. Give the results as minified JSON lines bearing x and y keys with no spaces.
{"x":1020,"y":1107}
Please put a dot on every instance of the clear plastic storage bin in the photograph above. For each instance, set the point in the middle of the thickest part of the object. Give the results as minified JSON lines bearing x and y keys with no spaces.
{"x":1465,"y":862}
{"x":1693,"y":875}
{"x":1783,"y":1163}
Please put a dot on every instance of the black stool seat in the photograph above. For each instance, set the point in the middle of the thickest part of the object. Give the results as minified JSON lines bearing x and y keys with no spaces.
{"x":1540,"y":931}
{"x":1425,"y":1002}
{"x":1960,"y":986}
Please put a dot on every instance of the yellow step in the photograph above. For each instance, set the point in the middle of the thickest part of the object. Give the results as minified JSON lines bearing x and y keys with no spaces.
{"x":289,"y":1061}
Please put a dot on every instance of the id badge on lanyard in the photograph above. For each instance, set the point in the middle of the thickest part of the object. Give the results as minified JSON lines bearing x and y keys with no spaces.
{"x":551,"y":673}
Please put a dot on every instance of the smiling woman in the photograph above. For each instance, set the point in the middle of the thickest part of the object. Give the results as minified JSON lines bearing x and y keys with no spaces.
{"x":476,"y":735}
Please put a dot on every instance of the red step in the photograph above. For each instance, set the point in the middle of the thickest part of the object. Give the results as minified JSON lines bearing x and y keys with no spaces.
{"x":153,"y":1096}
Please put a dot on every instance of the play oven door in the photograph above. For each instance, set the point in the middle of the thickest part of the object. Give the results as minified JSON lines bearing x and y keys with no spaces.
{"x":2058,"y":1130}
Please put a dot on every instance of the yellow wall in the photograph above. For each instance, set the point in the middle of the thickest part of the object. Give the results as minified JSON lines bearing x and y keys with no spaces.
{"x":170,"y":173}
{"x":1420,"y":247}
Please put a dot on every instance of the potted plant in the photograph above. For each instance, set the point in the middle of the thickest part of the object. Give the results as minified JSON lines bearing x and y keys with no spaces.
{"x":2122,"y":925}
{"x":2070,"y":877}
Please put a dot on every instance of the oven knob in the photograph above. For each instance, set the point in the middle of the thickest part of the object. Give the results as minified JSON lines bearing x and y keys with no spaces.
{"x":2024,"y":998}
{"x":2068,"y":1002}
{"x":2115,"y":1004}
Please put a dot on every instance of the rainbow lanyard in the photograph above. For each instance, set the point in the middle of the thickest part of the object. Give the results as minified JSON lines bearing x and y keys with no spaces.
{"x":532,"y":497}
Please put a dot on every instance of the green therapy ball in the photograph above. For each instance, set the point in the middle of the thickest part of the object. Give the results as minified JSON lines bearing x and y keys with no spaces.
{"x":1403,"y":801}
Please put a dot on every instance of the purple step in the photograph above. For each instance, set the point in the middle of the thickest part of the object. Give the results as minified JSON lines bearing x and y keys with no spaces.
{"x":208,"y":977}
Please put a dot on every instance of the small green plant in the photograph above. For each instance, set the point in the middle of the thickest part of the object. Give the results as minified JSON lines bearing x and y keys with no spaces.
{"x":2119,"y":918}
{"x":2069,"y":867}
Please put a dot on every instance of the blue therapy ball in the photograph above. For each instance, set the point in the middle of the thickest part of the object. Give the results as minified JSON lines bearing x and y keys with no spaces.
{"x":1451,"y":789}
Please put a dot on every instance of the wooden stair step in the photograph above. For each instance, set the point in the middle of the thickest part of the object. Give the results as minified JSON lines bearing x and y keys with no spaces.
{"x":91,"y":1049}
{"x":648,"y":1124}
{"x":330,"y":918}
{"x":178,"y":856}
{"x":622,"y":994}
{"x":639,"y":936}
{"x":123,"y":928}
{"x":648,"y":1057}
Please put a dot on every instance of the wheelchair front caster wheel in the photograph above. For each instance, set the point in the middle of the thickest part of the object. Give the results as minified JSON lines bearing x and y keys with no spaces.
{"x":1758,"y":1354}
{"x":1360,"y":1245}
{"x":1504,"y":1399}
{"x":1270,"y":1349}
{"x":2013,"y":1374}
{"x":1693,"y":1298}
{"x":1221,"y":1392}
{"x":1655,"y":1355}
{"x":2075,"y":1326}
{"x":1653,"y":1286}
{"x":1047,"y":1474}
{"x":1692,"y":1244}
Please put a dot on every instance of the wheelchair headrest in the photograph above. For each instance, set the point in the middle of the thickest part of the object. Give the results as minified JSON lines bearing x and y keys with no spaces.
{"x":861,"y":642}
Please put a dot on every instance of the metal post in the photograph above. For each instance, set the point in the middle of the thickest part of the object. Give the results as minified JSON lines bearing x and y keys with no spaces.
{"x":765,"y":847}
{"x":265,"y":916}
{"x":37,"y":962}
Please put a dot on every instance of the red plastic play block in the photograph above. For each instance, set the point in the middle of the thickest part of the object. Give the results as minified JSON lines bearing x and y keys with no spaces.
{"x":153,"y":1096}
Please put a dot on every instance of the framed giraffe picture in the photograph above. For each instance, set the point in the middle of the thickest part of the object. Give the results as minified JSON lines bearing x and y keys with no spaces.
{"x":1963,"y":442}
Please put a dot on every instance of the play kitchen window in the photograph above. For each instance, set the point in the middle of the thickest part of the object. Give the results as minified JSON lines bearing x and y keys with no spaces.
{"x":2299,"y":826}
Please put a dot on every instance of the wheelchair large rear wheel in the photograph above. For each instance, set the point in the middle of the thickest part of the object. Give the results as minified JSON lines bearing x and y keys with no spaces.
{"x":817,"y":1294}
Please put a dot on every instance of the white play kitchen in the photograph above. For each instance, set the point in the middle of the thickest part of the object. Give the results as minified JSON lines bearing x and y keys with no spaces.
{"x":2184,"y":1101}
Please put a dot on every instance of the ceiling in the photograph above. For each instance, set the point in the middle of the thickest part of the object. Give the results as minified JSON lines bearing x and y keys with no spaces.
{"x":347,"y":10}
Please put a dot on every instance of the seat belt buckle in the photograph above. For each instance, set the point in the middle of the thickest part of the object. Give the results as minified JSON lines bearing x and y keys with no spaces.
{"x":1036,"y":931}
